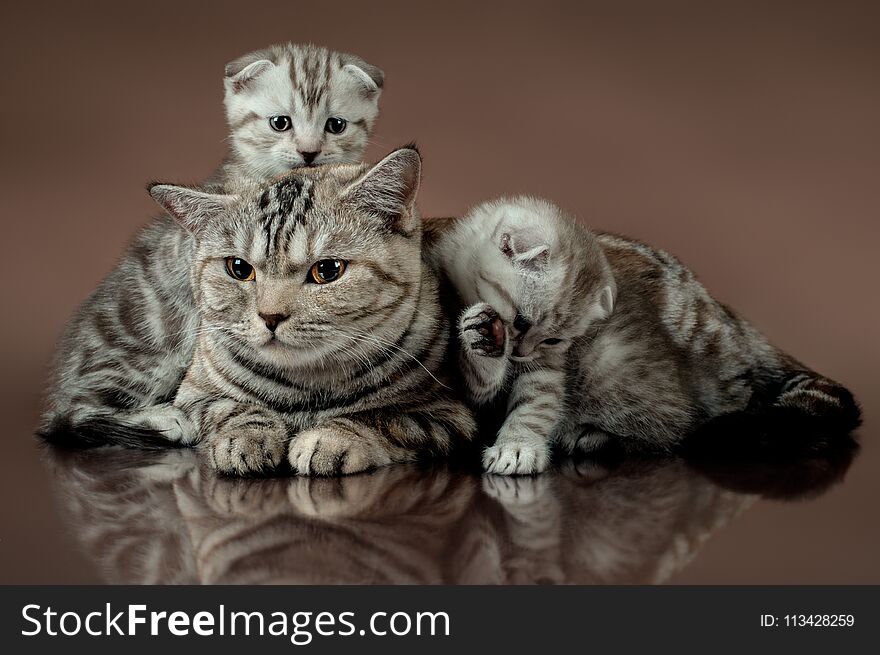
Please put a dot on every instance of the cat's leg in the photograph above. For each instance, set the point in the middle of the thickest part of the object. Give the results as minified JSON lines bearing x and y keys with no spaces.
{"x":582,"y":439}
{"x":240,"y":438}
{"x":483,"y":357}
{"x":358,"y":442}
{"x":534,"y":408}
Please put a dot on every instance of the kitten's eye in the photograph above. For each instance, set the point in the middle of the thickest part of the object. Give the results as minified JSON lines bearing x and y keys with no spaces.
{"x":240,"y":269}
{"x":280,"y":123}
{"x":335,"y":125}
{"x":326,"y":270}
{"x":551,"y":341}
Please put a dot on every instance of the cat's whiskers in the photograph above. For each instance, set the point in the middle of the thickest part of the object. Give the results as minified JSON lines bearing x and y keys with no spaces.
{"x":391,"y":345}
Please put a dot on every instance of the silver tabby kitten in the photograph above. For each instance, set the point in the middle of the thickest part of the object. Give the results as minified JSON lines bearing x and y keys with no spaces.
{"x":123,"y":354}
{"x":322,"y":341}
{"x":591,"y":338}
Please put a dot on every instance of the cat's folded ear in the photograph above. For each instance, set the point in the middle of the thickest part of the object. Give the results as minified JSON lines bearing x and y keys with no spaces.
{"x":242,"y":72}
{"x":607,"y":298}
{"x":388,"y":190}
{"x":370,"y":78}
{"x":192,"y":209}
{"x":525,"y":249}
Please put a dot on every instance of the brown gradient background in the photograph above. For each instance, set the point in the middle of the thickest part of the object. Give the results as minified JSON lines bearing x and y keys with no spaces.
{"x":742,"y":137}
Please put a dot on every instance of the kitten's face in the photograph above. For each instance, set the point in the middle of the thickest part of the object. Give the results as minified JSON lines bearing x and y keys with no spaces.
{"x":546,"y":289}
{"x":305,"y":107}
{"x":305,"y":271}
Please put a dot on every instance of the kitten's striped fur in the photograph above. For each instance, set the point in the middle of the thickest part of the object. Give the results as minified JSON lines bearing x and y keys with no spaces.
{"x":350,"y":374}
{"x":645,"y":355}
{"x":122,"y":356}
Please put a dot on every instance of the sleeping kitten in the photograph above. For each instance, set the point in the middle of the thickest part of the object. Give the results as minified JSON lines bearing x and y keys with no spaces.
{"x":605,"y":338}
{"x":322,"y":341}
{"x":124,"y":352}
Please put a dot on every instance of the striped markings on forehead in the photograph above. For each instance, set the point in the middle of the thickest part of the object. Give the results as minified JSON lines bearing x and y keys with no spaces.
{"x":282,"y":207}
{"x":310,"y":76}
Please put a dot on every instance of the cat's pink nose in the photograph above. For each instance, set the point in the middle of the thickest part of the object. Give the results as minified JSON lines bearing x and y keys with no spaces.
{"x":309,"y":157}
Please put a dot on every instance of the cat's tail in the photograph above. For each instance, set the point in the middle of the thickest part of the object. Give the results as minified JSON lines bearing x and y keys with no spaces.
{"x":793,"y":411}
{"x":97,"y":430}
{"x":826,"y":405}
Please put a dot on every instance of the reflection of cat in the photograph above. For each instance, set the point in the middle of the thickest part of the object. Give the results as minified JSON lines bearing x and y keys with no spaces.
{"x":122,"y":507}
{"x":166,"y":518}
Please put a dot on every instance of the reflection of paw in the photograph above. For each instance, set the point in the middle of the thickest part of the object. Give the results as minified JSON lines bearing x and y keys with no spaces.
{"x":584,"y":469}
{"x":481,"y":330}
{"x":330,"y":451}
{"x":238,"y":497}
{"x":334,"y":498}
{"x":516,"y":491}
{"x":246,"y":450}
{"x":173,"y":465}
{"x":516,"y":458}
{"x":172,"y":423}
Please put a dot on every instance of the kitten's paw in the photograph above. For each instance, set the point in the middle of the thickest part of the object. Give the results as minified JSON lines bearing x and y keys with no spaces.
{"x":481,"y":331}
{"x":514,"y":492}
{"x":516,"y":458}
{"x":332,"y":451}
{"x":248,"y":450}
{"x":590,"y":441}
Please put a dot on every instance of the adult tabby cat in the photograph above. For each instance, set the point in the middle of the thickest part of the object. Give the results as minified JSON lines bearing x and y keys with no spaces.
{"x":608,"y":339}
{"x":322,"y":339}
{"x":123,"y":354}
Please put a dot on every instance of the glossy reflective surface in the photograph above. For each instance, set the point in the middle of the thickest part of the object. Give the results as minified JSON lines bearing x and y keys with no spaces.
{"x":166,"y":518}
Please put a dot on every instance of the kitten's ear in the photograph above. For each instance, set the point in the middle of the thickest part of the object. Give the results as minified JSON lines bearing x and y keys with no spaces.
{"x":388,"y":190}
{"x":534,"y":258}
{"x":192,"y":209}
{"x":371,"y":78}
{"x":607,"y":297}
{"x":241,"y":73}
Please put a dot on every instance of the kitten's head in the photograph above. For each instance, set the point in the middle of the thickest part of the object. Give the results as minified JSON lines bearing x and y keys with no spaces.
{"x":545,"y":275}
{"x":322,"y":265}
{"x":290,"y":106}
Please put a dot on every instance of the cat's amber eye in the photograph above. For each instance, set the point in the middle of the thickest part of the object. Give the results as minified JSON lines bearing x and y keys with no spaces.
{"x":335,"y":125}
{"x":240,"y":269}
{"x":280,"y":123}
{"x":326,"y":270}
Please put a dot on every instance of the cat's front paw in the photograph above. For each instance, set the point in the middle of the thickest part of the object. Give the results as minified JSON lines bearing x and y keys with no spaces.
{"x":248,"y":450}
{"x":482,"y":331}
{"x":516,"y":458}
{"x":331,"y":451}
{"x":172,"y":422}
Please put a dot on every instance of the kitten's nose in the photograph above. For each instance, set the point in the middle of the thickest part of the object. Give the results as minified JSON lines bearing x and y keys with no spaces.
{"x":272,"y":320}
{"x":309,"y":157}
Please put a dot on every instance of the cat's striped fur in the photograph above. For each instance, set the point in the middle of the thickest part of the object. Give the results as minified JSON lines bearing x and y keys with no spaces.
{"x":608,"y":339}
{"x":122,"y":356}
{"x":335,"y":377}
